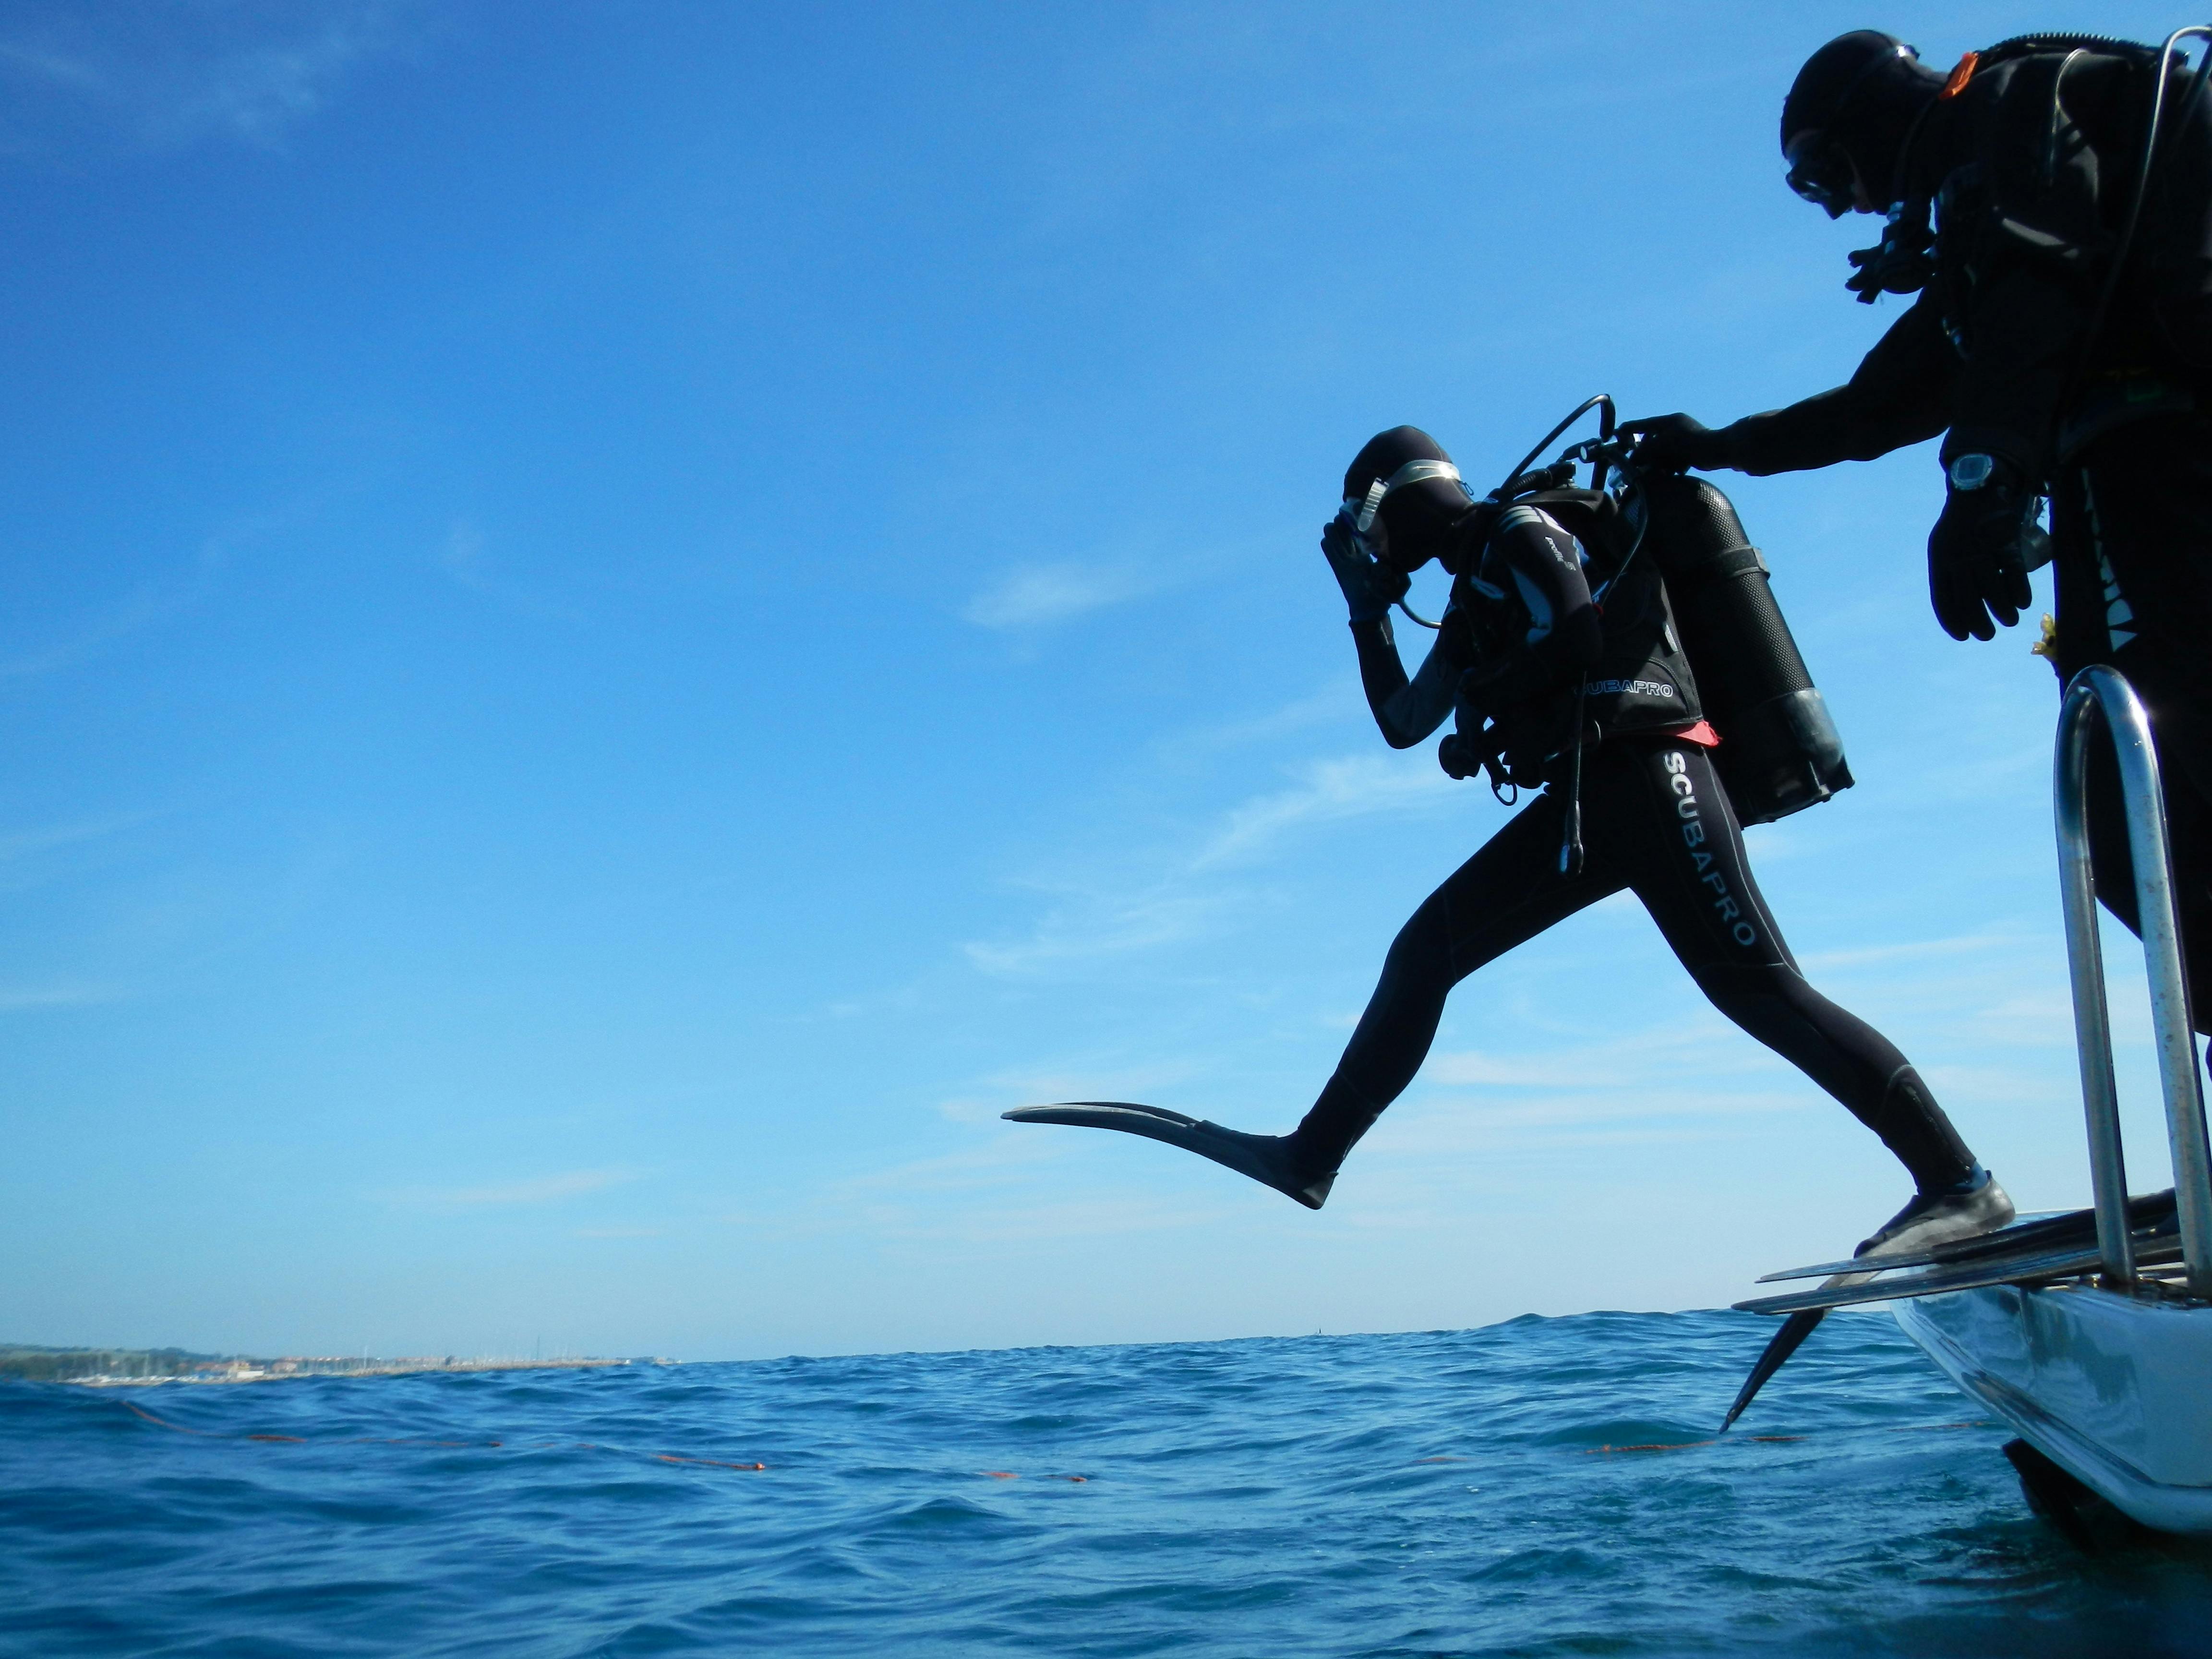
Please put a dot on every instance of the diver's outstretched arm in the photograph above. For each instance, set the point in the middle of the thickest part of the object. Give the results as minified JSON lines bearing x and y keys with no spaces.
{"x":1900,"y":394}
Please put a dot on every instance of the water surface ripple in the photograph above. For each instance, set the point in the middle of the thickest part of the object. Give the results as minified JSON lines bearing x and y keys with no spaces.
{"x":1544,"y":1486}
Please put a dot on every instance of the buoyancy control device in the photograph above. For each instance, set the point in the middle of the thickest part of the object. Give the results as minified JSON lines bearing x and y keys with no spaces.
{"x":1780,"y":751}
{"x":1637,"y":676}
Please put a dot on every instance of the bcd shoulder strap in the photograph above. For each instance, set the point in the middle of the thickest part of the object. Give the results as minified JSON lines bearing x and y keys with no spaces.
{"x":1592,"y":517}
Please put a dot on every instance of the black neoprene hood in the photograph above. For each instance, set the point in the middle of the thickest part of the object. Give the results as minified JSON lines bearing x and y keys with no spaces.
{"x":1852,"y":105}
{"x":1415,"y":515}
{"x":1830,"y":74}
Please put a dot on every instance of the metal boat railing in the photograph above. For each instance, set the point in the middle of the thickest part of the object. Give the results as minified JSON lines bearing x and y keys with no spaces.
{"x":2102,"y":694}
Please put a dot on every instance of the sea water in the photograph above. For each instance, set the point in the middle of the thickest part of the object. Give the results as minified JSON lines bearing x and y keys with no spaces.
{"x":1543,"y":1486}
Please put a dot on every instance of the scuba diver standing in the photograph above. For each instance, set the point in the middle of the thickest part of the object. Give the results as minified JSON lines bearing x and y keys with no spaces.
{"x":2049,"y":201}
{"x":1567,"y":666}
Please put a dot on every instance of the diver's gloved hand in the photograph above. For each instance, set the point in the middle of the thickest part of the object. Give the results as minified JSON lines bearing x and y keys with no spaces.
{"x":1978,"y":552}
{"x":1370,"y":587}
{"x":1674,"y":443}
{"x":1458,"y":757}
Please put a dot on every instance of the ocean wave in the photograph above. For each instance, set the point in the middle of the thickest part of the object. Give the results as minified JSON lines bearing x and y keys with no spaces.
{"x":1542,"y":1486}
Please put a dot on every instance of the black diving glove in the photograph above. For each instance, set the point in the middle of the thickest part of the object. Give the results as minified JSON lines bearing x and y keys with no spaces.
{"x":1978,"y":552}
{"x":1370,"y":587}
{"x":1674,"y":443}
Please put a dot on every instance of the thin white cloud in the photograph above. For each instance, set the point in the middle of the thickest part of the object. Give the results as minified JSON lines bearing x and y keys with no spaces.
{"x":42,"y":64}
{"x":248,"y":69}
{"x":1122,"y":911}
{"x":1340,"y":699}
{"x":540,"y":1189}
{"x":1063,"y":1217}
{"x":1461,"y":1124}
{"x":154,"y":604}
{"x":468,"y":562}
{"x":16,"y":999}
{"x":1923,"y":949}
{"x":1328,"y":790}
{"x":1039,"y":595}
{"x":995,"y":1163}
{"x":140,"y":607}
{"x":1067,"y":1080}
{"x":1088,"y":923}
{"x":990,"y":1182}
{"x":2031,"y":1019}
{"x":28,"y":843}
{"x":462,"y":558}
{"x":1630,"y":1061}
{"x":1603,"y":1067}
{"x":982,"y":1195}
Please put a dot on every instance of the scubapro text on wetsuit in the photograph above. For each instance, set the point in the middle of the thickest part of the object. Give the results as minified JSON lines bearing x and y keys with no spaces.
{"x":1693,"y":837}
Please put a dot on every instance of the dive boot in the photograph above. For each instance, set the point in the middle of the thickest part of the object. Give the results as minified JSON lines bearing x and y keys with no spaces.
{"x":1933,"y":1218}
{"x":1267,"y":1159}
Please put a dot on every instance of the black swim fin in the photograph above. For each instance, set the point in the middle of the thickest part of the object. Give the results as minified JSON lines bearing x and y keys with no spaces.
{"x":1266,"y":1160}
{"x":1786,"y":1341}
{"x":2150,"y":1217}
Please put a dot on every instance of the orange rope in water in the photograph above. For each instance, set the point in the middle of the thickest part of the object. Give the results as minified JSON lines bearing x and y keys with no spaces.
{"x":986,"y":1474}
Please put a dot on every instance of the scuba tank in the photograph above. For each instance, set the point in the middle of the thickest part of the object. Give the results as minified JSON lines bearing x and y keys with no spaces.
{"x":1779,"y":750}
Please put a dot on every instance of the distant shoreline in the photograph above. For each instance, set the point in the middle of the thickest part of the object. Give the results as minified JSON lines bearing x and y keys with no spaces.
{"x":112,"y":1368}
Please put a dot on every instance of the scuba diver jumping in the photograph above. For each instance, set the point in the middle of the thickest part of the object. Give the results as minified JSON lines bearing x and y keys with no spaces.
{"x":1566,"y":667}
{"x":2049,"y":202}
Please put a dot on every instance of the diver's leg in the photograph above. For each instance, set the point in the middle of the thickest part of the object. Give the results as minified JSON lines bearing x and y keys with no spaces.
{"x":2133,"y":521}
{"x":1690,"y":871}
{"x":2189,"y":835}
{"x":1509,"y":892}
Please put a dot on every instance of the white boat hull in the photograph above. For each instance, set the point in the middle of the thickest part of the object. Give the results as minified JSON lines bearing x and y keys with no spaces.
{"x":2115,"y":1390}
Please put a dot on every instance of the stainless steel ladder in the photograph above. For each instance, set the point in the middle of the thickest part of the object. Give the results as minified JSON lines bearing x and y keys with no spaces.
{"x":2100,"y":694}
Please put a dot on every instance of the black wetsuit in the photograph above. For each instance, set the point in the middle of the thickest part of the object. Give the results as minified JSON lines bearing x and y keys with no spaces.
{"x":1657,"y":821}
{"x":2030,"y":182}
{"x":2131,"y":518}
{"x":2030,"y":194}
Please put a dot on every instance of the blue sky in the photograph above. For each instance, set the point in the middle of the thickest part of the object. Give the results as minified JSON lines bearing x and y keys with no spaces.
{"x":620,"y":624}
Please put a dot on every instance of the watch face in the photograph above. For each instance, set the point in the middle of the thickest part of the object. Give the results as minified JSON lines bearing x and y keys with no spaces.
{"x":1971,"y":472}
